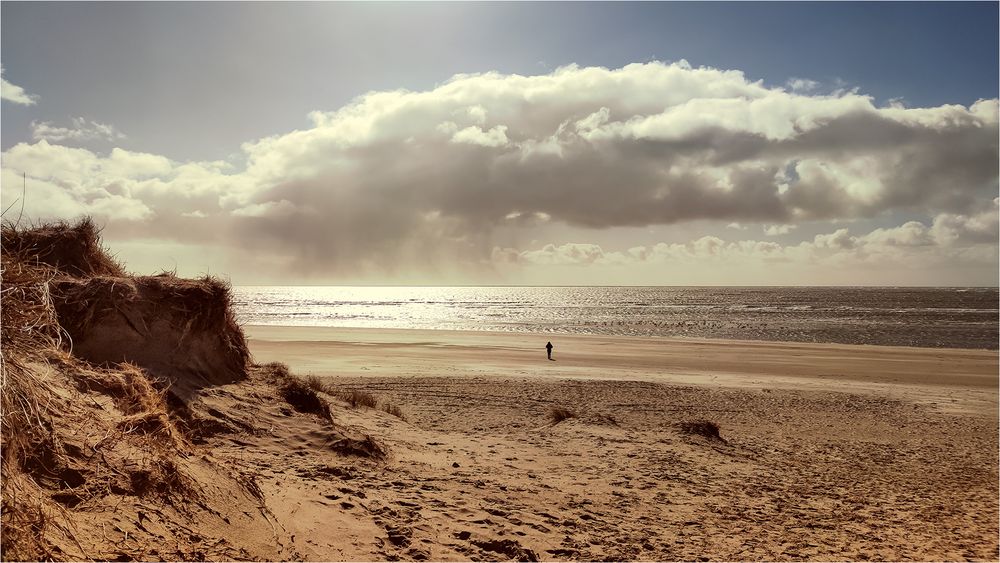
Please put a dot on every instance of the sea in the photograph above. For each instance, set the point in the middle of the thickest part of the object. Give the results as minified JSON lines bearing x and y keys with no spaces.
{"x":946,"y":317}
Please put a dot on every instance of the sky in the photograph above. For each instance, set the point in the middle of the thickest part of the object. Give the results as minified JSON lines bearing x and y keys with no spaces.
{"x":563,"y":143}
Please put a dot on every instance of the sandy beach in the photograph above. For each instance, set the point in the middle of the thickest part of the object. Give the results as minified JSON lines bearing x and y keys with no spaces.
{"x":142,"y":422}
{"x":828,"y":452}
{"x":500,"y":281}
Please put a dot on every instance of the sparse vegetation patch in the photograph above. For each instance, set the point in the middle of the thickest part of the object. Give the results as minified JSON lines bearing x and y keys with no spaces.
{"x":394,"y":410}
{"x":605,"y":419}
{"x":362,"y":446}
{"x":705,"y":428}
{"x":559,"y":414}
{"x":304,"y":398}
{"x":358,"y":398}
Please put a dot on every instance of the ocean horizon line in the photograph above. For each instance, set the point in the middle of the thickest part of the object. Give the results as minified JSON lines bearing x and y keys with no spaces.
{"x":803,"y":286}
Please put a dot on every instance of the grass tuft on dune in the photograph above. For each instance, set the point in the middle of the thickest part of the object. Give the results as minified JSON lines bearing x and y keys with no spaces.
{"x":93,"y":360}
{"x":558,"y":414}
{"x":703,"y":428}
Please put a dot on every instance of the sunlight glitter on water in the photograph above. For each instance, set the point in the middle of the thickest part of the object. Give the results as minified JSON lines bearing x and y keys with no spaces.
{"x":935,"y":317}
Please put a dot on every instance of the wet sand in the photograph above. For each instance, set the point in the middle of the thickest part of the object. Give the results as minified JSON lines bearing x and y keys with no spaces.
{"x":933,"y":375}
{"x":829,"y":452}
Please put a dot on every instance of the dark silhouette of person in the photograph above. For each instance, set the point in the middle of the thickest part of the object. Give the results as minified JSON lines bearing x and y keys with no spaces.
{"x":548,"y":350}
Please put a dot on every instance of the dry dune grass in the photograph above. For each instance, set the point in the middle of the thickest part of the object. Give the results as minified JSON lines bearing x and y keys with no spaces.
{"x":604,"y":419}
{"x":394,"y":410}
{"x":60,"y":283}
{"x":74,"y":249}
{"x":111,"y":384}
{"x":354,"y":397}
{"x":304,"y":398}
{"x":704,"y":428}
{"x":50,"y":467}
{"x":146,"y":319}
{"x":558,"y":414}
{"x":308,"y":394}
{"x":28,"y":326}
{"x":26,"y":514}
{"x":57,"y":276}
{"x":132,"y":390}
{"x":303,"y":393}
{"x":278,"y":371}
{"x":357,"y":398}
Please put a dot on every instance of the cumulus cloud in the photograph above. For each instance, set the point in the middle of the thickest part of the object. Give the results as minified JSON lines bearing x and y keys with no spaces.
{"x":572,"y":253}
{"x":952,"y":229}
{"x":80,"y":130}
{"x":474,"y":135}
{"x":15,"y":94}
{"x":776,"y":230}
{"x":417,"y":178}
{"x":64,"y":182}
{"x":269,"y":209}
{"x":802,"y":85}
{"x":912,"y":242}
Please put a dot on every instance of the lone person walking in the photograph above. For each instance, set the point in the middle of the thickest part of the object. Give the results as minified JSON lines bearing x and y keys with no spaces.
{"x":548,"y":350}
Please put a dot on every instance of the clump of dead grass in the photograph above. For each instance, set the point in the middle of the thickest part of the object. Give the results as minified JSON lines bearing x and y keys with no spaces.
{"x":307,"y":394}
{"x":276,"y":370}
{"x":316,"y":383}
{"x":25,"y":520}
{"x":353,"y":397}
{"x":26,"y":515}
{"x":704,"y":428}
{"x":605,"y":419}
{"x":393,"y":409}
{"x":72,"y":249}
{"x":302,"y":392}
{"x":132,"y":390}
{"x":160,"y":478}
{"x":304,"y":398}
{"x":307,"y":391}
{"x":558,"y":414}
{"x":194,"y":308}
{"x":28,"y":326}
{"x":363,"y":446}
{"x":29,"y":321}
{"x":357,"y":398}
{"x":44,"y":467}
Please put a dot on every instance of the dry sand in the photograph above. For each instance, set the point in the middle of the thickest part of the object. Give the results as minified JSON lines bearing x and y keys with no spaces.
{"x":830,"y":452}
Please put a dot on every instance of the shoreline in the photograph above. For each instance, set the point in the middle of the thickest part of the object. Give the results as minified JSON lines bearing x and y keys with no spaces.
{"x":474,"y":338}
{"x":910,"y":317}
{"x":940,"y":376}
{"x":347,"y":329}
{"x":995,"y":347}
